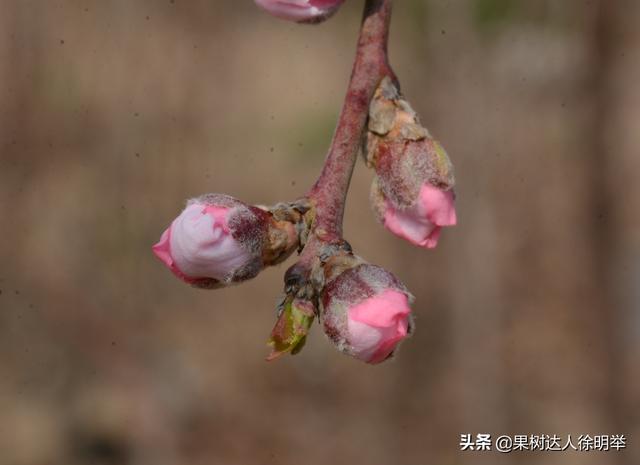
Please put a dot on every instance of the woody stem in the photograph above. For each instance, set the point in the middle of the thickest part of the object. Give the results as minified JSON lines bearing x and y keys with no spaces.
{"x":329,"y":193}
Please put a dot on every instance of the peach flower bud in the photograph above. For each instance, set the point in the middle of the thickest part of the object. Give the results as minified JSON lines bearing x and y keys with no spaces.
{"x":412,"y":193}
{"x":365,"y":312}
{"x":216,"y":240}
{"x":422,"y":222}
{"x":301,"y":11}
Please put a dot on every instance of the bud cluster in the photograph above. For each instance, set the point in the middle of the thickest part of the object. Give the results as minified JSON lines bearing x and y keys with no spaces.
{"x":364,"y":310}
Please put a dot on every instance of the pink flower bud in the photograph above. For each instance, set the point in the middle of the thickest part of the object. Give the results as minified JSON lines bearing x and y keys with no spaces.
{"x":301,"y":11}
{"x":412,"y":193}
{"x":366,"y":313}
{"x":422,"y":222}
{"x":214,"y":241}
{"x":378,"y":324}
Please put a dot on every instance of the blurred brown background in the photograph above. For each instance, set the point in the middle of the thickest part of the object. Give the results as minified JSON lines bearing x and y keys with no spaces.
{"x":113,"y":113}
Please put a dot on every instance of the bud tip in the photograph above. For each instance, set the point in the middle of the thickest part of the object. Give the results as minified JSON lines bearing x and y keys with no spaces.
{"x":422,"y":222}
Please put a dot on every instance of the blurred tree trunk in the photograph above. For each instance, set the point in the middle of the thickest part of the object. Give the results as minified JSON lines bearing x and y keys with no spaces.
{"x":616,"y":189}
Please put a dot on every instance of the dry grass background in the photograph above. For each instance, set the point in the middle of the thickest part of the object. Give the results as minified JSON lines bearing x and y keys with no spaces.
{"x":113,"y":113}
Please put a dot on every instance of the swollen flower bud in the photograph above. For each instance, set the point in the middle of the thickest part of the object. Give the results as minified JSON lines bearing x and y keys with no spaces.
{"x":412,"y":193}
{"x":301,"y":11}
{"x":365,"y":312}
{"x":420,"y":223}
{"x":217,"y":240}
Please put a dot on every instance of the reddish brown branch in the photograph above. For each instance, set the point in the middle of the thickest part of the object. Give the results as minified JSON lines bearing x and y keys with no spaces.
{"x":324,"y":204}
{"x":329,"y":193}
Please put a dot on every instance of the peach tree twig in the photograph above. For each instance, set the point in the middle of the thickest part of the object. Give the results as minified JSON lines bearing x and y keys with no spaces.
{"x":365,"y":311}
{"x":305,"y":280}
{"x":371,"y":65}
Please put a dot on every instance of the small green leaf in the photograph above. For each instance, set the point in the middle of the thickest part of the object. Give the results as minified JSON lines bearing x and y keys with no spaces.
{"x":290,"y":331}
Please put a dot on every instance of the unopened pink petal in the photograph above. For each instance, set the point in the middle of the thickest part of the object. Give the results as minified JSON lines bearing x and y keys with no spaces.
{"x":199,"y":245}
{"x":382,"y":309}
{"x":377,"y":324}
{"x":431,"y":241}
{"x":219,"y":215}
{"x":407,"y":224}
{"x":162,"y":249}
{"x":364,"y":339}
{"x":202,"y":246}
{"x":421,"y":223}
{"x":300,"y":10}
{"x":388,"y":345}
{"x":438,"y":205}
